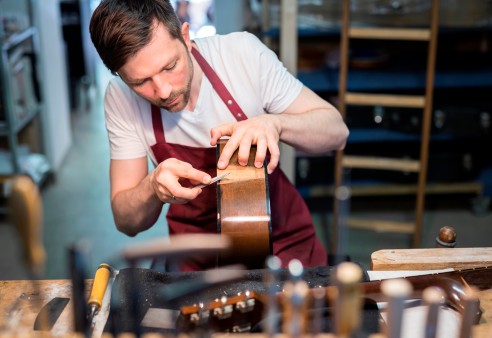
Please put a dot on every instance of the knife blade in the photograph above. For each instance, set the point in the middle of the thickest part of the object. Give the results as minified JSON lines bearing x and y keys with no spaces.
{"x":48,"y":315}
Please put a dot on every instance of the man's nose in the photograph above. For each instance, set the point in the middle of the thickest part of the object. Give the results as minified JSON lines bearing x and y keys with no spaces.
{"x":162,"y":88}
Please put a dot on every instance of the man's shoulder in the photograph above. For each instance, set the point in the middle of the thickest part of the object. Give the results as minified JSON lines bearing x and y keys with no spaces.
{"x":120,"y":98}
{"x":117,"y":88}
{"x":116,"y":82}
{"x":234,"y":39}
{"x":239,"y":35}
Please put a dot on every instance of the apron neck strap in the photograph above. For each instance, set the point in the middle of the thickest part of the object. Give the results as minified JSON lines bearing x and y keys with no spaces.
{"x":219,"y":87}
{"x":157,"y":124}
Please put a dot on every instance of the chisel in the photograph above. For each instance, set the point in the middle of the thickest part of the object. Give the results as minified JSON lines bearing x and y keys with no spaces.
{"x":99,"y":285}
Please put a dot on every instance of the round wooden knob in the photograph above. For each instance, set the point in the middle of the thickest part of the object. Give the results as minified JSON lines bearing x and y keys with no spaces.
{"x":446,"y":237}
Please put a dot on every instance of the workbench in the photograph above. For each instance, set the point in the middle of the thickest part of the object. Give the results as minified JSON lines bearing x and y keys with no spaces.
{"x":21,"y":300}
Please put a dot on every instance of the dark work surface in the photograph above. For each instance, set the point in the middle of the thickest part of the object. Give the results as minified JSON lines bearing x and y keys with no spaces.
{"x":152,"y":289}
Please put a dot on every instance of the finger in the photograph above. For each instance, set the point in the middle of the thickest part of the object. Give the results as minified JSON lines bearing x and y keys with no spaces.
{"x":166,"y":176}
{"x":227,"y":152}
{"x":186,"y":170}
{"x":183,"y":195}
{"x":244,"y":151}
{"x":274,"y":155}
{"x":261,"y":149}
{"x":215,"y":135}
{"x":220,"y":131}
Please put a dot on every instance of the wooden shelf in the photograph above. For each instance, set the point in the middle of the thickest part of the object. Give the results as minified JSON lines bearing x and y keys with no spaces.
{"x":26,"y":119}
{"x":17,"y":38}
{"x":390,"y":189}
{"x":395,"y":77}
{"x":414,"y":34}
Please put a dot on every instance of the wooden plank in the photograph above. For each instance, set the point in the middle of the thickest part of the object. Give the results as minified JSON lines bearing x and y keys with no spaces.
{"x":381,"y":225}
{"x":412,"y":34}
{"x":380,"y":163}
{"x":385,"y":100}
{"x":431,"y":259}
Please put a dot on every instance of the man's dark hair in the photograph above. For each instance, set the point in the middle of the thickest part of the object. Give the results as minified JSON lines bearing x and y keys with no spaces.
{"x":120,"y":28}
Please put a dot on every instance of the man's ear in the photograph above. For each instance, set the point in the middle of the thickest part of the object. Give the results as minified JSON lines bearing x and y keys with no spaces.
{"x":185,"y":32}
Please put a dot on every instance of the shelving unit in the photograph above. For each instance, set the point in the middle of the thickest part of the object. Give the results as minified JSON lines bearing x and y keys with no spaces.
{"x":400,"y":75}
{"x":20,"y":105}
{"x":423,"y":102}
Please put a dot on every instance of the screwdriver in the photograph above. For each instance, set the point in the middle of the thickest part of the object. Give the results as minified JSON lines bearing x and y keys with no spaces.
{"x":99,"y":285}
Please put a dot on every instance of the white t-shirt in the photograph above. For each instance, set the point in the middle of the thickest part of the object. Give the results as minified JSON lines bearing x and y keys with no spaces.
{"x":250,"y":71}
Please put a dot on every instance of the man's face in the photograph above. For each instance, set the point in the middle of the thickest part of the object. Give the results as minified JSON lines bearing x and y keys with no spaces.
{"x":162,"y":71}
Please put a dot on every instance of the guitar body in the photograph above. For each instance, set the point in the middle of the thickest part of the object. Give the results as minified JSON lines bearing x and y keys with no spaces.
{"x":243,"y":211}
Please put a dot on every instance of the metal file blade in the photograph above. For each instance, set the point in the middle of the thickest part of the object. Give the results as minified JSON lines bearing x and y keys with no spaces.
{"x":213,"y":180}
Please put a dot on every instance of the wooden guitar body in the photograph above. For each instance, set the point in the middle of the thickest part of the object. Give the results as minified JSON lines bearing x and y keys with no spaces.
{"x":243,"y":211}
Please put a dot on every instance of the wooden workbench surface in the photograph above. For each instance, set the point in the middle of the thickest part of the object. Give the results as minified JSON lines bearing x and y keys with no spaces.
{"x":21,"y":301}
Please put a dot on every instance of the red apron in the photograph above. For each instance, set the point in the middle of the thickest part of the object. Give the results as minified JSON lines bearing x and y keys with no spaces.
{"x":293,"y":234}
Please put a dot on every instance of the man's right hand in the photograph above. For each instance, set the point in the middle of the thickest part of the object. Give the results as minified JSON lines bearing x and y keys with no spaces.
{"x":165,"y":180}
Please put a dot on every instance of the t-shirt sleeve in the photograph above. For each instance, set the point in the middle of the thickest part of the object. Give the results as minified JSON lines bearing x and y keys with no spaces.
{"x":121,"y":121}
{"x":278,"y":87}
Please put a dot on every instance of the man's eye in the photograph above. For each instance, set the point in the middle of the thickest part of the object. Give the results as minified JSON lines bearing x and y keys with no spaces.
{"x":172,"y":66}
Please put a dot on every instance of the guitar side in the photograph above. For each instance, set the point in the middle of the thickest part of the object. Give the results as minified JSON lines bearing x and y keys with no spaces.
{"x":243,"y":211}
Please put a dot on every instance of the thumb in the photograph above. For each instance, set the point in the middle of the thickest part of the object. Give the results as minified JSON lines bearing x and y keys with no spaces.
{"x":217,"y":132}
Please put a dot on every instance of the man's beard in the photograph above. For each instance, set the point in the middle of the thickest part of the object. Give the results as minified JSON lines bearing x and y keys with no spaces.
{"x":185,"y":93}
{"x":180,"y":104}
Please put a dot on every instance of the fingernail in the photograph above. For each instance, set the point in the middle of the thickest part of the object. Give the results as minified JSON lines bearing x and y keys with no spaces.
{"x":258,"y":164}
{"x":221,"y":164}
{"x":207,"y":178}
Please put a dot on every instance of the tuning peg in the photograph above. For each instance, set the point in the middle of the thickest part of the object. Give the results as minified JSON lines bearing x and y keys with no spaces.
{"x":296,"y":269}
{"x":348,"y":298}
{"x":471,"y":308}
{"x":273,"y":268}
{"x":396,"y":291}
{"x":433,"y":297}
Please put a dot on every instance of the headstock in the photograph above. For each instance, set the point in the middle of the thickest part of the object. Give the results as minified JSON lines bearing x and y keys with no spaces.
{"x":238,"y":313}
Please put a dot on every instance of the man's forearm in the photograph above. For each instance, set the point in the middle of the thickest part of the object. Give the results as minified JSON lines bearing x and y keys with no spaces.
{"x":315,"y":131}
{"x":136,"y":209}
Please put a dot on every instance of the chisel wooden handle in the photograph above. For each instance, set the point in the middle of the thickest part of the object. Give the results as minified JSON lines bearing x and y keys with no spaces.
{"x":99,"y":285}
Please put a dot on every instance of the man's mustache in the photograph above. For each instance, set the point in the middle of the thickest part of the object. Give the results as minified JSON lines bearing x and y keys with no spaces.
{"x":169,"y":99}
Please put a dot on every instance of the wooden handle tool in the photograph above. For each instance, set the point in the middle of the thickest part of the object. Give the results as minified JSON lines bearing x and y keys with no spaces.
{"x":99,"y":285}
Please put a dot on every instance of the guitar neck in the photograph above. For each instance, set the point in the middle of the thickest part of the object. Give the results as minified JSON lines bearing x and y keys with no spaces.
{"x":251,"y":305}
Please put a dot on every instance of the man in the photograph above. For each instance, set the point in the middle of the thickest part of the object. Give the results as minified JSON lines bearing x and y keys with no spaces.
{"x":174,"y":98}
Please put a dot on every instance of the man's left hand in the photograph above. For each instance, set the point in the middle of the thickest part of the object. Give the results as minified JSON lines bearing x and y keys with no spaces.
{"x":262,"y":131}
